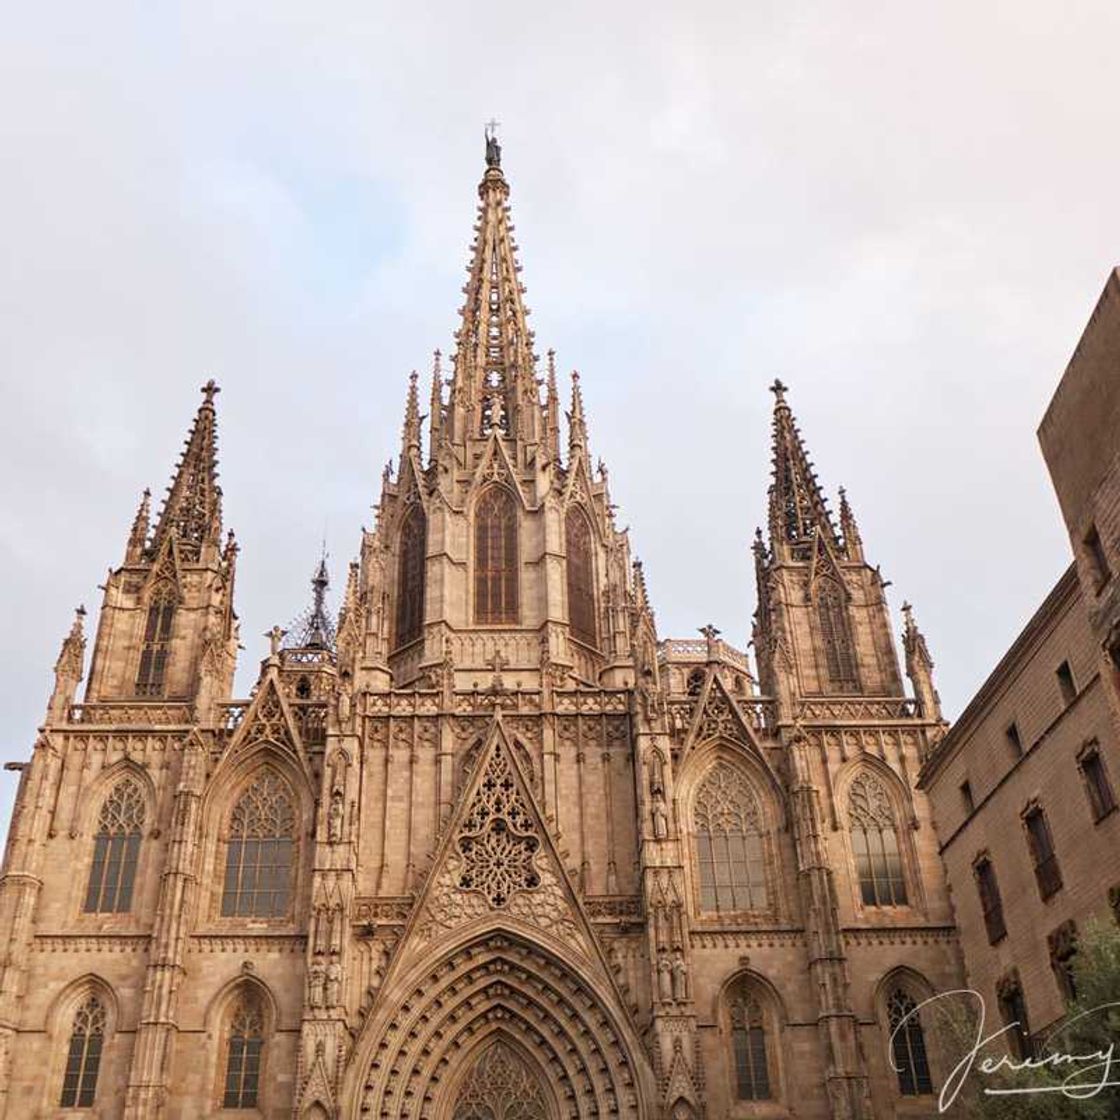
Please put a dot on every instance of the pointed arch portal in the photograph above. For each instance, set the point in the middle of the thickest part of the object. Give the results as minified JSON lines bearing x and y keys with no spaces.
{"x":499,"y":1011}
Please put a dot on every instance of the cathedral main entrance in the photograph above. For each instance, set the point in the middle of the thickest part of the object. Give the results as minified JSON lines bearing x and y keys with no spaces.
{"x":498,"y":1084}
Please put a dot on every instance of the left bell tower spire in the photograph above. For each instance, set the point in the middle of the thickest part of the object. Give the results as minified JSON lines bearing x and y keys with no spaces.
{"x":167,"y":626}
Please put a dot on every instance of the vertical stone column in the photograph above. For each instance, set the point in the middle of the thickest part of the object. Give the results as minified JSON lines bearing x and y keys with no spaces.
{"x":846,"y":1073}
{"x":146,"y":1094}
{"x":20,"y":886}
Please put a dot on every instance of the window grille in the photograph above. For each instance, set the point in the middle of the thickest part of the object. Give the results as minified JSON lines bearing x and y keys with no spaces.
{"x":156,"y":647}
{"x":260,"y":851}
{"x":495,"y":559}
{"x":836,"y":637}
{"x":116,"y":849}
{"x":1047,"y":873}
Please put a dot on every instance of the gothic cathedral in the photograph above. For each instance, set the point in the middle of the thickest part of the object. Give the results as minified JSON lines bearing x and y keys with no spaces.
{"x":485,"y":847}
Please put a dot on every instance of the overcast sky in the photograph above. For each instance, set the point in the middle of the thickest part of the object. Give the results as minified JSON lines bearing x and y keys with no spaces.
{"x":907,"y":211}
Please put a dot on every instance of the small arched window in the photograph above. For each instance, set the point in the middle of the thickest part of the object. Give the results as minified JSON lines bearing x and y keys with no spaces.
{"x":495,"y":557}
{"x":836,"y":637}
{"x":243,"y":1054}
{"x":875,"y":844}
{"x":411,"y":565}
{"x":749,"y":1057}
{"x":260,"y":851}
{"x":908,"y":1045}
{"x":156,"y":646}
{"x":581,"y":576}
{"x":729,"y":850}
{"x":83,"y":1059}
{"x":116,"y":848}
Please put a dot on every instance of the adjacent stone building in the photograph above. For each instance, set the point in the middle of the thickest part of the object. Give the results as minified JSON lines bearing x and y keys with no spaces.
{"x":485,"y":846}
{"x":1023,"y":787}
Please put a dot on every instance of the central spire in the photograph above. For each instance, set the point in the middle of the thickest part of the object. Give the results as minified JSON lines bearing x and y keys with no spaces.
{"x":494,"y":385}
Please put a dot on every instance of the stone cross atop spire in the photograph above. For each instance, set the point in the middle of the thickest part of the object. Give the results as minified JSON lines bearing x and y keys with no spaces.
{"x":494,"y":385}
{"x":797,"y":506}
{"x":192,"y":512}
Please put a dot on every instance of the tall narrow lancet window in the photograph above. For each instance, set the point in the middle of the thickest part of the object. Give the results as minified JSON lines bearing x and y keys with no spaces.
{"x":156,"y":646}
{"x":908,"y":1045}
{"x":748,"y":1046}
{"x":243,"y":1054}
{"x":875,"y":844}
{"x":116,"y":848}
{"x":260,"y":851}
{"x":83,"y":1059}
{"x":836,"y":637}
{"x":581,"y":576}
{"x":410,"y":576}
{"x":729,"y":851}
{"x":495,"y":557}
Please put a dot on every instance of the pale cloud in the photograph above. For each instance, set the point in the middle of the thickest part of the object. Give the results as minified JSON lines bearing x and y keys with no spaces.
{"x":906,"y":211}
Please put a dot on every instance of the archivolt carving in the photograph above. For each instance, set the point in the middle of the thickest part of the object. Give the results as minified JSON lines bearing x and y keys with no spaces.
{"x":499,"y":984}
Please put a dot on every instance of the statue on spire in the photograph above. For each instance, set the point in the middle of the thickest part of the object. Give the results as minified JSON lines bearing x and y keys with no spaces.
{"x":493,"y":148}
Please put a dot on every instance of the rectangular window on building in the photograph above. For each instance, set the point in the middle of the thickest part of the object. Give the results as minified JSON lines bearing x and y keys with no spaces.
{"x":1098,"y":561}
{"x":1014,"y":741}
{"x":990,"y":900}
{"x":1097,"y":786}
{"x":1013,"y":1012}
{"x":1041,"y":844}
{"x":1063,"y":948}
{"x":1065,"y":683}
{"x":966,"y":797}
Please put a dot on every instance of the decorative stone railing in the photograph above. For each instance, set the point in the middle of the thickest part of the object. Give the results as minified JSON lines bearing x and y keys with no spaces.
{"x":141,"y":713}
{"x":759,"y":713}
{"x":857,"y":709}
{"x":696,"y":649}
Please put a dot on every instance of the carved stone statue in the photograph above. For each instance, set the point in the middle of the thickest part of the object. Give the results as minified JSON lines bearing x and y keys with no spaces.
{"x":664,"y":977}
{"x":656,"y":774}
{"x":315,"y":984}
{"x":334,"y":984}
{"x":680,"y":977}
{"x":660,"y":817}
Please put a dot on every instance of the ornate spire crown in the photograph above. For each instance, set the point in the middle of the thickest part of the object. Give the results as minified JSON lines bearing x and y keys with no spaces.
{"x":192,"y":512}
{"x":494,"y":386}
{"x":798,"y":509}
{"x":314,"y":629}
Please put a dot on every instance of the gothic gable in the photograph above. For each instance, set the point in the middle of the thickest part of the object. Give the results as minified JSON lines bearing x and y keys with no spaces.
{"x":268,"y":720}
{"x":717,"y":716}
{"x":497,"y":861}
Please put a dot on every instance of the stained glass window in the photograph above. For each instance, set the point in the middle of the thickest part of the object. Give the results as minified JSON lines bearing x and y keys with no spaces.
{"x":908,"y":1045}
{"x":875,"y":844}
{"x":243,"y":1055}
{"x":836,"y":637}
{"x":260,"y":851}
{"x":83,"y":1059}
{"x":410,"y":582}
{"x":116,"y":848}
{"x":581,"y":576}
{"x":729,"y":849}
{"x":748,"y":1045}
{"x":495,"y":557}
{"x":157,"y":641}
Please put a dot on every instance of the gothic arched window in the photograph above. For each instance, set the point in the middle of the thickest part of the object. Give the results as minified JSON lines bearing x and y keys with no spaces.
{"x":729,"y":850}
{"x":243,"y":1054}
{"x":581,"y":576}
{"x":875,"y":844}
{"x":83,"y":1059}
{"x":748,"y":1045}
{"x":260,"y":851}
{"x":500,"y":1087}
{"x":495,"y":557}
{"x":410,"y":576}
{"x":908,"y":1045}
{"x":836,"y":637}
{"x":116,"y":848}
{"x":156,"y":646}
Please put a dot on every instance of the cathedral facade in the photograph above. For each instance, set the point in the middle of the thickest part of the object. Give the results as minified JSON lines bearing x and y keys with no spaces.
{"x":485,"y":847}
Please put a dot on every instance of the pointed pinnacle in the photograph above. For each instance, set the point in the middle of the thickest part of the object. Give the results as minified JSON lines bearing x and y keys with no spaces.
{"x":411,"y":433}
